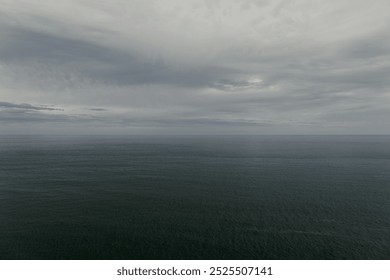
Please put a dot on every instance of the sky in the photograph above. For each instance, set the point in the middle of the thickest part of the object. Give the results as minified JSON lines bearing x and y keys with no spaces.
{"x":194,"y":67}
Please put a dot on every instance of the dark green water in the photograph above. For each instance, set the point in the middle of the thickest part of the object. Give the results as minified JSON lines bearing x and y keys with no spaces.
{"x":274,"y":197}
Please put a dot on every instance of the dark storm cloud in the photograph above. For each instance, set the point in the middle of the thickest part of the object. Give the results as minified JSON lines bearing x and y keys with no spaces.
{"x":22,"y":115}
{"x":26,"y":45}
{"x":370,"y":46}
{"x":100,"y":63}
{"x":27,"y":107}
{"x":98,"y":109}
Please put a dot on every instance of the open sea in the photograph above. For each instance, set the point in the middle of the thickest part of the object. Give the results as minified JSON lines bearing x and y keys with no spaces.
{"x":195,"y":197}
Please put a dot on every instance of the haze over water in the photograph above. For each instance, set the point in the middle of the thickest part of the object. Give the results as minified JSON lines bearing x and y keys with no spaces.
{"x":198,"y":197}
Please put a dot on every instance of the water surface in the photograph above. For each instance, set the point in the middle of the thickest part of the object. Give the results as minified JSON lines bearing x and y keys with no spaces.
{"x":203,"y":197}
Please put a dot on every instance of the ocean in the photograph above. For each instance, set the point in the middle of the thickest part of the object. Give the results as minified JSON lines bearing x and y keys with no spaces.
{"x":195,"y":197}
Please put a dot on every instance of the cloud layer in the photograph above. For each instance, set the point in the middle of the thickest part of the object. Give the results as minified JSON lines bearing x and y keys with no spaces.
{"x":257,"y":67}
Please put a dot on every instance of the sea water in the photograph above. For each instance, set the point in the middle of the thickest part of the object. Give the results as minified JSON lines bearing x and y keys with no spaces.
{"x":195,"y":197}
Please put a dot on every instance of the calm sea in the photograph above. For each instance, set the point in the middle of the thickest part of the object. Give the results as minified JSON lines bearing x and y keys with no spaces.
{"x":246,"y":197}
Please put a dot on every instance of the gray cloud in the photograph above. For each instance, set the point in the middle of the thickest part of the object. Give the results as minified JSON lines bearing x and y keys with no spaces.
{"x":27,"y":107}
{"x":90,"y":61}
{"x":232,"y":66}
{"x":231,"y":85}
{"x":97,"y":109}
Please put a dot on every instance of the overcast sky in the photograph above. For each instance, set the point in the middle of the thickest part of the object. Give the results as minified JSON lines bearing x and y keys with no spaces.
{"x":195,"y":66}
